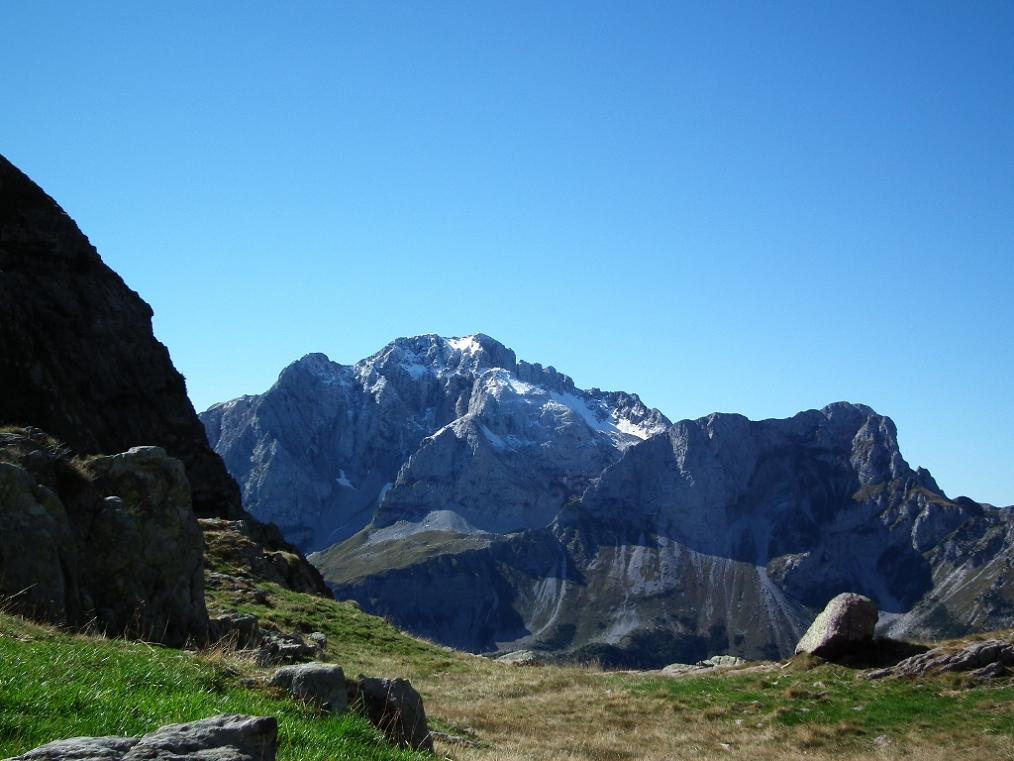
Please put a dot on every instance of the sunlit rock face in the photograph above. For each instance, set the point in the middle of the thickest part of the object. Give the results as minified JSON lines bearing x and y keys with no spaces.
{"x":426,"y":425}
{"x":490,"y":504}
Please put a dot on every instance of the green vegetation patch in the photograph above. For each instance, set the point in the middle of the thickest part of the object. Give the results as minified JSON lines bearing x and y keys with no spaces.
{"x":833,"y":696}
{"x":352,"y":560}
{"x":357,"y":641}
{"x":54,"y":686}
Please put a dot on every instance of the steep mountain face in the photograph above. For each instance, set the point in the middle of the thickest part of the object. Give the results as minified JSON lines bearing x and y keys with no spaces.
{"x":720,"y":535}
{"x":427,"y":431}
{"x":77,"y":354}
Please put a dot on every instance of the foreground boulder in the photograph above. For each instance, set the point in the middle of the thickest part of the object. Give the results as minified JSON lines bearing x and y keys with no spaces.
{"x":319,"y":684}
{"x":108,"y":541}
{"x":221,"y":738}
{"x":846,"y":624}
{"x":985,"y":660}
{"x":395,"y":708}
{"x":391,"y":705}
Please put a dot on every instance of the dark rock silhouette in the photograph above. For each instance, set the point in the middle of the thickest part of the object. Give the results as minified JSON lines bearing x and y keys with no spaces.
{"x":78,"y":358}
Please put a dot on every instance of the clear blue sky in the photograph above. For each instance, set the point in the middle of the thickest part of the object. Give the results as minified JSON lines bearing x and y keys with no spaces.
{"x":752,"y":207}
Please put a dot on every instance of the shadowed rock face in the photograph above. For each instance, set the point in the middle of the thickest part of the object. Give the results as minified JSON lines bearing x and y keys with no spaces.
{"x":111,"y":542}
{"x":112,"y":538}
{"x":77,"y":355}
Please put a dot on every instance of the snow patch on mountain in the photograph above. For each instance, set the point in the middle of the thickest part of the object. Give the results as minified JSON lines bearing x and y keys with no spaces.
{"x":466,"y":345}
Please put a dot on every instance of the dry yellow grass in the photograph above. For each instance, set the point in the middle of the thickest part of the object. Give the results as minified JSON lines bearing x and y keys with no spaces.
{"x":574,"y":714}
{"x":571,"y":713}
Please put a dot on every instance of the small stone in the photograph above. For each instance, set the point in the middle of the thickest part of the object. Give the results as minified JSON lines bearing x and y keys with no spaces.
{"x":522,"y":658}
{"x":318,"y":640}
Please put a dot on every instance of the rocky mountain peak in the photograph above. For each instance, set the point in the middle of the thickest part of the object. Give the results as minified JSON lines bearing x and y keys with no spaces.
{"x":331,"y":447}
{"x":317,"y":364}
{"x":432,"y":355}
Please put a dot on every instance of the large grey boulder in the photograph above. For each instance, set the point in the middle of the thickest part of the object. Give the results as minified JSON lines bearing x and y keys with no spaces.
{"x":220,"y":738}
{"x":395,"y":708}
{"x":146,"y":551}
{"x":319,"y":684}
{"x":110,"y":540}
{"x":846,"y":623}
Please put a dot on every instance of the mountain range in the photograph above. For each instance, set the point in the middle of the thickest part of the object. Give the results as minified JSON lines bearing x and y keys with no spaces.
{"x":490,"y":504}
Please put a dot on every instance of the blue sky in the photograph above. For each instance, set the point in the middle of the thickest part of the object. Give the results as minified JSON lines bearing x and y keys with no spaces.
{"x":751,"y":207}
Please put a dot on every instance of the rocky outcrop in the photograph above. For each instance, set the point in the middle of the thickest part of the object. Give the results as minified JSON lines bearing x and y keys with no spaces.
{"x":110,"y":541}
{"x":220,"y":738}
{"x":988,"y":659}
{"x":522,"y":658}
{"x":248,"y":550}
{"x":77,"y":355}
{"x":708,"y":664}
{"x":847,"y":623}
{"x":78,"y":359}
{"x":267,"y":646}
{"x":277,"y":647}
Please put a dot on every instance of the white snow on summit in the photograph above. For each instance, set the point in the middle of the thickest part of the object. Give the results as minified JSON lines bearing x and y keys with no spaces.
{"x":466,"y":345}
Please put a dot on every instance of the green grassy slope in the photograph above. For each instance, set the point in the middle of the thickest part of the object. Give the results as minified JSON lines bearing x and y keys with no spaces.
{"x":54,"y":685}
{"x":847,"y":710}
{"x":359,"y":642}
